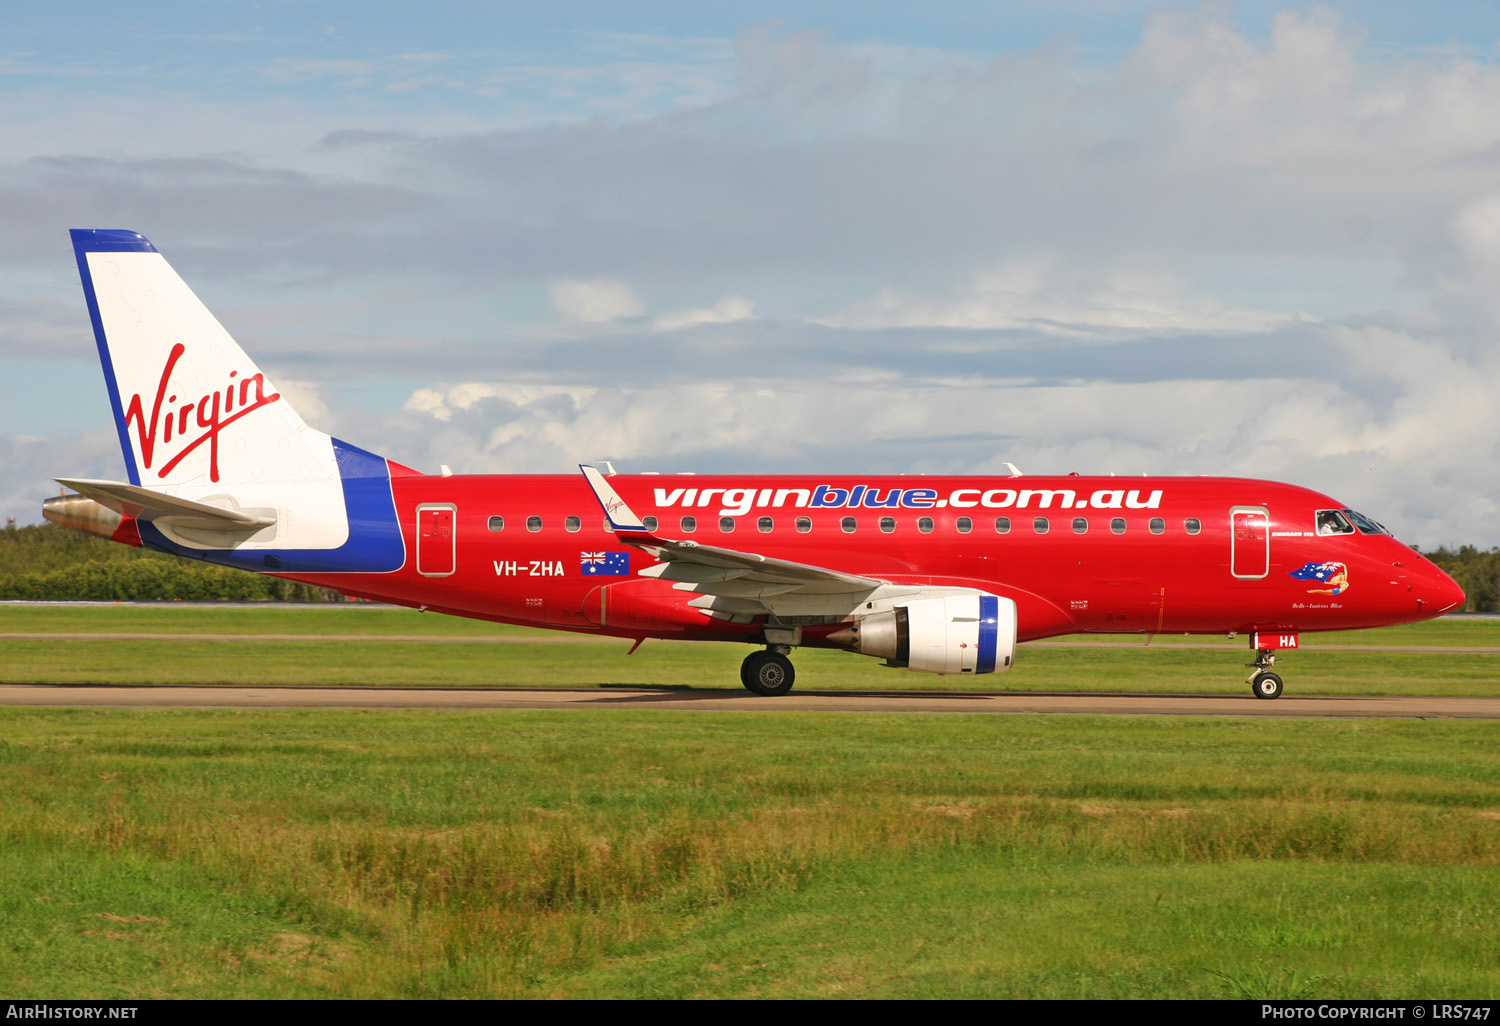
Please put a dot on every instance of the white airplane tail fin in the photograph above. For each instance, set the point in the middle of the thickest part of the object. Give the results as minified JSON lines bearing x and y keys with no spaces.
{"x":199,"y":422}
{"x":178,"y":381}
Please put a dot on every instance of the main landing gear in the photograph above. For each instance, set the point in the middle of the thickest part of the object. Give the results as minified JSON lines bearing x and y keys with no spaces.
{"x":1263,"y":683}
{"x":769,"y":672}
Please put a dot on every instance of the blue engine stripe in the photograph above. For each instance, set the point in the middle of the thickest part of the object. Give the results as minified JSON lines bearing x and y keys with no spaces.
{"x":989,"y":630}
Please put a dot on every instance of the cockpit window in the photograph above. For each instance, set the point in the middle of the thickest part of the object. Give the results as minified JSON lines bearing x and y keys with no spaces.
{"x":1364,"y":523}
{"x":1331,"y":521}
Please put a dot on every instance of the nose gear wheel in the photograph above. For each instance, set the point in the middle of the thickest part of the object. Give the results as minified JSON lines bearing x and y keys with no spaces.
{"x":1263,"y":683}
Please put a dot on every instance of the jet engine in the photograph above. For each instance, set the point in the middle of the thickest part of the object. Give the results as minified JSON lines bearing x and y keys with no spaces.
{"x":972,"y":633}
{"x":81,"y":513}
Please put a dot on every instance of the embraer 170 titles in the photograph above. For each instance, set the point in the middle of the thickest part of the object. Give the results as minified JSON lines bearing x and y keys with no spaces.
{"x":937,"y":574}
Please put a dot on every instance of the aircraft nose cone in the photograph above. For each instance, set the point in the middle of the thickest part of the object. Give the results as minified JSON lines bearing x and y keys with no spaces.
{"x":1448,"y":596}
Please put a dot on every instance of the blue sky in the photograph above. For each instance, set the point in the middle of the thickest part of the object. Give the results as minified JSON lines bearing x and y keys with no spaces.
{"x":1256,"y":238}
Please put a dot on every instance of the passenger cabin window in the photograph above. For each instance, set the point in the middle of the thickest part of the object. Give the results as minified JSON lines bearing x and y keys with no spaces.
{"x":764,"y":525}
{"x":497,"y":523}
{"x":650,"y":523}
{"x":964,"y":525}
{"x":847,"y":525}
{"x":1041,"y":525}
{"x":1002,"y":525}
{"x":924,"y":524}
{"x":572,"y":524}
{"x":688,"y":524}
{"x":1117,"y":525}
{"x":1331,"y":521}
{"x":1192,"y":525}
{"x":1158,"y":525}
{"x":1080,"y":525}
{"x":533,"y":523}
{"x":887,"y":525}
{"x":804,"y":524}
{"x":726,"y":524}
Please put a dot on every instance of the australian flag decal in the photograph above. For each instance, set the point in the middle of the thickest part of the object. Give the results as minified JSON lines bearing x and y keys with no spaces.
{"x":604,"y":564}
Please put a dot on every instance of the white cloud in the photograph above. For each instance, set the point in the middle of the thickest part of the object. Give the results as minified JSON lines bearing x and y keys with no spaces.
{"x":1053,"y":216}
{"x":595,"y":301}
{"x":726,"y":310}
{"x":306,"y":397}
{"x":1394,"y":460}
{"x":31,"y":464}
{"x":429,"y":401}
{"x":443,"y":403}
{"x":1041,"y":294}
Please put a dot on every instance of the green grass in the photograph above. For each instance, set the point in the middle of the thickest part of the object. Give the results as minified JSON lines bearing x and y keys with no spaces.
{"x":271,"y":853}
{"x":1448,"y":630}
{"x":679,"y":664}
{"x":274,"y":854}
{"x":988,"y":928}
{"x":260,"y":618}
{"x":376,"y":620}
{"x":525,"y":657}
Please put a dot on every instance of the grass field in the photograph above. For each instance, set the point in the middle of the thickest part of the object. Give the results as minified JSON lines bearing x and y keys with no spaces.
{"x":377,"y":620}
{"x":447,"y":651}
{"x":291,"y":853}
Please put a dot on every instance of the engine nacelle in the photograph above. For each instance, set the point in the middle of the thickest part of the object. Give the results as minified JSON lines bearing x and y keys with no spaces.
{"x":974,"y":633}
{"x":80,"y":513}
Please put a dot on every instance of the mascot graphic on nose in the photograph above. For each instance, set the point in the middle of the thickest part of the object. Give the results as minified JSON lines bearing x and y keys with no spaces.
{"x":1335,"y":575}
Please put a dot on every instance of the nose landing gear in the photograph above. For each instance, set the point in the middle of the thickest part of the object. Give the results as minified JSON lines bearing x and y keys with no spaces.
{"x":1263,"y":683}
{"x":769,"y":672}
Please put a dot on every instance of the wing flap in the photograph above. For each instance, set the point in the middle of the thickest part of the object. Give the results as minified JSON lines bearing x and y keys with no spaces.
{"x":758,"y":589}
{"x":753,"y":566}
{"x":691,"y":573}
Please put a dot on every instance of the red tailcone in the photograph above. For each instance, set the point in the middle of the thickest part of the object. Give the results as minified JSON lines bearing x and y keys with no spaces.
{"x":128,"y":533}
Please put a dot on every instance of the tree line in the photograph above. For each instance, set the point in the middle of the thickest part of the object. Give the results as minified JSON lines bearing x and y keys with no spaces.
{"x":1477,"y":572}
{"x":47,"y":562}
{"x":52,"y":563}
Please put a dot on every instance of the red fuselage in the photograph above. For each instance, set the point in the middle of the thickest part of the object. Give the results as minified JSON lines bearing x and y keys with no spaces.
{"x":1095,"y":554}
{"x":934,"y":574}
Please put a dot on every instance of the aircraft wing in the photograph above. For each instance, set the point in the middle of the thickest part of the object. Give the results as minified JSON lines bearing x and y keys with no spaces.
{"x":144,"y":504}
{"x":688,"y":561}
{"x":732,"y":584}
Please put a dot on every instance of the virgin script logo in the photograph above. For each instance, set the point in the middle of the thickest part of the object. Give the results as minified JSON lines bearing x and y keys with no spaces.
{"x":212,"y":413}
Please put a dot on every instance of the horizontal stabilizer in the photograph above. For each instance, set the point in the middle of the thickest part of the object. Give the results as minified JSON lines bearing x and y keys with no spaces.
{"x":144,"y":504}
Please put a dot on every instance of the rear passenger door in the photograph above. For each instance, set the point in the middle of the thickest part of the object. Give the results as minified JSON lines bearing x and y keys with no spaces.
{"x":437,"y":539}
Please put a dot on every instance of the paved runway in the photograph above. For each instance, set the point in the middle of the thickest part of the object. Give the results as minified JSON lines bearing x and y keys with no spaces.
{"x":573,"y":639}
{"x":707,"y":699}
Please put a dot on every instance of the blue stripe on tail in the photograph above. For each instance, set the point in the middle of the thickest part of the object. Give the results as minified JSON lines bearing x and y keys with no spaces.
{"x":374,"y":546}
{"x":90,"y":240}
